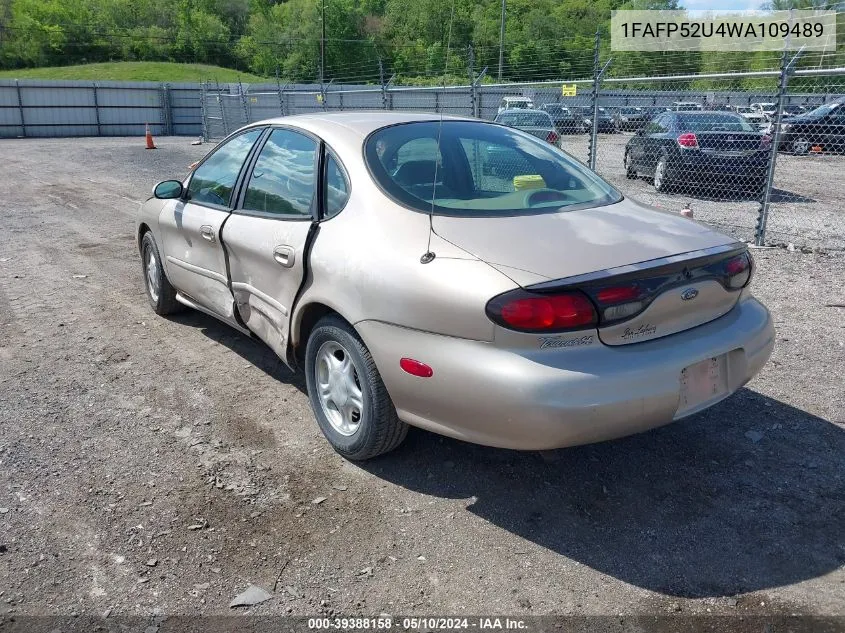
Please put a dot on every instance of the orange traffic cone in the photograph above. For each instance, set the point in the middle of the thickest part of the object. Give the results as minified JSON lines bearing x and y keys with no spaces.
{"x":148,"y":134}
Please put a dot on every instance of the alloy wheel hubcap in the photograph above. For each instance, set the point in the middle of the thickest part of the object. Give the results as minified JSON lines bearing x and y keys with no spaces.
{"x":338,"y":388}
{"x":800,"y":146}
{"x":658,"y":174}
{"x":152,"y":274}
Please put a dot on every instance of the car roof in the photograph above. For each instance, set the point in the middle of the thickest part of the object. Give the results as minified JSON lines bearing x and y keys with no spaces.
{"x":702,"y":112}
{"x":357,"y":123}
{"x":516,"y":98}
{"x":522,"y":112}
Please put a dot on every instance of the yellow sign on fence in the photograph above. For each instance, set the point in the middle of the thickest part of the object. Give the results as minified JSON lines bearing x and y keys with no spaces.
{"x":569,"y":90}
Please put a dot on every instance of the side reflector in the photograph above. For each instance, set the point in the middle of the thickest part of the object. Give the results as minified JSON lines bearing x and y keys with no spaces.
{"x":416,"y":368}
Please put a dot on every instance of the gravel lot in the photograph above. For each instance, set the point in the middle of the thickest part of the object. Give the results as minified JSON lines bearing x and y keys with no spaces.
{"x":153,"y":465}
{"x":807,"y":203}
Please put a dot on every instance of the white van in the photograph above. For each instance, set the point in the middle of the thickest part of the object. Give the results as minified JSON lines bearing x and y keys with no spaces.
{"x":516,"y":103}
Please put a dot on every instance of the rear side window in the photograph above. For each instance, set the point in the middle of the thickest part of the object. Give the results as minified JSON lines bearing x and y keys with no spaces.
{"x":337,"y":189}
{"x":284,"y":179}
{"x":480,"y":170}
{"x":212,"y":182}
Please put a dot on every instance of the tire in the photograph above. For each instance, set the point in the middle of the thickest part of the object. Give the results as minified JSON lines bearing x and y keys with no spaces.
{"x":799,"y":146}
{"x":661,"y":181}
{"x":376,"y":429}
{"x":630,"y":171}
{"x":161,"y":295}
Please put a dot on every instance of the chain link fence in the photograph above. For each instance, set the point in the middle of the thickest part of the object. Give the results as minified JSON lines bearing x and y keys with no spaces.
{"x":763,"y":163}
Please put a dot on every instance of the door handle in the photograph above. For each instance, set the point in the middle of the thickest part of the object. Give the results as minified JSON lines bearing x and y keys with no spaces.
{"x":284,"y":256}
{"x":207,"y":232}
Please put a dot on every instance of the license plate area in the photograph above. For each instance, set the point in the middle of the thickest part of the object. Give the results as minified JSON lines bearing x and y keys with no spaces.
{"x":702,"y":383}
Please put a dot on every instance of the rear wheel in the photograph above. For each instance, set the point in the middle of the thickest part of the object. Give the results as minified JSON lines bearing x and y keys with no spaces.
{"x":661,"y":181}
{"x":630,"y":171}
{"x":161,"y":294}
{"x":348,"y":397}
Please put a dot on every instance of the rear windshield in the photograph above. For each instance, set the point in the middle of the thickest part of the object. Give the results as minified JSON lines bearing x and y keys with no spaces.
{"x":525,"y":119}
{"x":479,"y":169}
{"x":714,"y":122}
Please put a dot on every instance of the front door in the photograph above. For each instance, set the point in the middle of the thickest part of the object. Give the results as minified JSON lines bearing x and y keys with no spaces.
{"x":190,"y":227}
{"x":653,"y":142}
{"x":266,"y":235}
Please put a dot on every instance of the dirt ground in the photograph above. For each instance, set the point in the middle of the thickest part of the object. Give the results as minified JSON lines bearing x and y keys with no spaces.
{"x":152,"y":465}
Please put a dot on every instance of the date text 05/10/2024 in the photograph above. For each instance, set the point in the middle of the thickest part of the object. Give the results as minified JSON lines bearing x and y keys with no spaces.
{"x":386,"y":623}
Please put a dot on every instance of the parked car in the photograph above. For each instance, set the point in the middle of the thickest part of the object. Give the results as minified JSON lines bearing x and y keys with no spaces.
{"x":516,"y":103}
{"x":717,"y":150}
{"x":605,"y":121}
{"x":684,"y":106}
{"x":766,"y":109}
{"x":371,"y":250}
{"x":565,"y":120}
{"x":823,"y":127}
{"x":537,"y":123}
{"x":794,"y":110}
{"x":755,"y":117}
{"x":630,"y":119}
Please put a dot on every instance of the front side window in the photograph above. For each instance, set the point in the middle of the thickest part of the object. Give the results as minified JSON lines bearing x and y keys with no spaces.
{"x":284,"y":179}
{"x":481,"y":170}
{"x":213,"y":181}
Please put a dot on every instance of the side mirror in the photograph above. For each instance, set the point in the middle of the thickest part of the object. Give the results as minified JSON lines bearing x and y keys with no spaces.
{"x":168,"y":190}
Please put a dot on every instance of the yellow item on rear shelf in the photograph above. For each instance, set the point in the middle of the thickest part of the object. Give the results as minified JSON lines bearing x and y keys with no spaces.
{"x":528,"y":181}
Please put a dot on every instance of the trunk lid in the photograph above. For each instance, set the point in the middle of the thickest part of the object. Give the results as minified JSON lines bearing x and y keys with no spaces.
{"x":675,"y":263}
{"x":729,"y":143}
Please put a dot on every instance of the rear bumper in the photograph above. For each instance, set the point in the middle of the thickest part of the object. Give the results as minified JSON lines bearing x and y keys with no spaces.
{"x":544,"y":399}
{"x":708,"y":170}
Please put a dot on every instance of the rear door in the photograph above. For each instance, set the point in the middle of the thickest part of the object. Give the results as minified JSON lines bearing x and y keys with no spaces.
{"x":834,"y":130}
{"x":190,"y":227}
{"x":652,"y":142}
{"x":267,"y":233}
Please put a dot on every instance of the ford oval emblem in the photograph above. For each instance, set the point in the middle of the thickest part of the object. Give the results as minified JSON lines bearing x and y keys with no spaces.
{"x":689,"y":294}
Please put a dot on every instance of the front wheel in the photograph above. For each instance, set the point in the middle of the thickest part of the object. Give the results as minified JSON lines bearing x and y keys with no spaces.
{"x":348,"y":397}
{"x":161,"y":294}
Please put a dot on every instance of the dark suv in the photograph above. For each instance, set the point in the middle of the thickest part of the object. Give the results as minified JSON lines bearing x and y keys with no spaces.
{"x":823,"y":127}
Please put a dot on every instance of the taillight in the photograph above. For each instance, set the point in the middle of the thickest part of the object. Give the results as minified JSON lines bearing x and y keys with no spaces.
{"x":688,"y":139}
{"x":553,"y":137}
{"x":738,"y":270}
{"x":619,"y":302}
{"x":529,"y":312}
